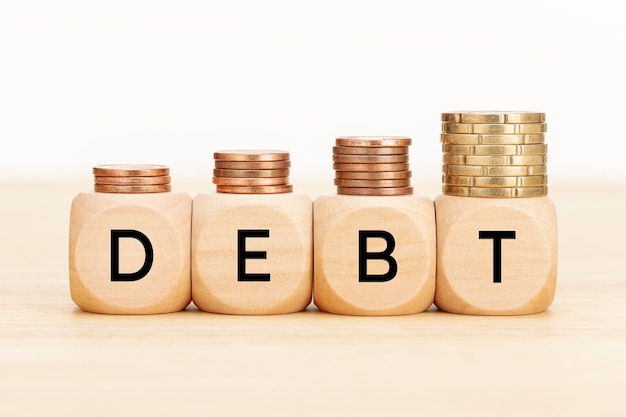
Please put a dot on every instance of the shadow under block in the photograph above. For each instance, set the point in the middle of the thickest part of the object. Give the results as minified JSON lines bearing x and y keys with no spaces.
{"x":272,"y":273}
{"x":467,"y":277}
{"x":164,"y":219}
{"x":341,"y":222}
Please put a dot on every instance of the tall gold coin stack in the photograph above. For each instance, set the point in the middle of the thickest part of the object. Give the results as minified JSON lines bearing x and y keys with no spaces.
{"x":372,"y":165}
{"x":252,"y":172}
{"x":131,"y":178}
{"x":494,"y":154}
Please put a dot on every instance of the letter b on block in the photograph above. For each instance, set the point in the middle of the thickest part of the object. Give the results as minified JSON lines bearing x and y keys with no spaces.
{"x":384,"y":255}
{"x":374,"y":255}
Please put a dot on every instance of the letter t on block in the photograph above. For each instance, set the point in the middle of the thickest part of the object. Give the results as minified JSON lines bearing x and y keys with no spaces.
{"x":495,"y":256}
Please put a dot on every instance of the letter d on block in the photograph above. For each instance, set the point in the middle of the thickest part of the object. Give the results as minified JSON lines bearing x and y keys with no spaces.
{"x":116,"y":275}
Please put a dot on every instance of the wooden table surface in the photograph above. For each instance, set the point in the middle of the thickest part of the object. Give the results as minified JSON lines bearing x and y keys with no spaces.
{"x":57,"y":360}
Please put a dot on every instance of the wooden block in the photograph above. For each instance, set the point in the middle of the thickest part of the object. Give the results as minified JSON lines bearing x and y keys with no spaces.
{"x":350,"y":230}
{"x":133,"y":285}
{"x":252,"y":253}
{"x":473,"y":278}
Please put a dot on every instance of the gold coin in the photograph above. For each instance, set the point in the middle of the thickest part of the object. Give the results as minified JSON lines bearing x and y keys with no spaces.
{"x":255,"y":189}
{"x":342,"y":182}
{"x":489,"y":182}
{"x":252,"y":165}
{"x":452,"y":159}
{"x":373,"y":141}
{"x":251,"y":173}
{"x":494,"y":170}
{"x":131,"y":170}
{"x":251,"y":155}
{"x":495,"y":192}
{"x":250,"y":181}
{"x":375,"y":191}
{"x":132,"y":189}
{"x":165,"y":179}
{"x":493,"y":117}
{"x":490,"y":128}
{"x":370,"y":167}
{"x":373,"y":175}
{"x":465,"y":139}
{"x":536,"y":149}
{"x":370,"y":159}
{"x":368,"y":150}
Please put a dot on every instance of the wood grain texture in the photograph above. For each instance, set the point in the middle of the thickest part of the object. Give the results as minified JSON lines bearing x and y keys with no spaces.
{"x":57,"y":360}
{"x":466,"y":274}
{"x":164,"y":218}
{"x":217,"y":220}
{"x":339,"y":219}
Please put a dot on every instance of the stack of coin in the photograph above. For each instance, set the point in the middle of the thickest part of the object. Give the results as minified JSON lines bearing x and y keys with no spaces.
{"x":372,"y":165}
{"x":494,"y":154}
{"x":131,"y":178}
{"x":252,"y":172}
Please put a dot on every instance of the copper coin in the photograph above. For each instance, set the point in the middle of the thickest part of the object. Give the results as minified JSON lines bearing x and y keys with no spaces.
{"x":373,"y":141}
{"x":131,"y":170}
{"x":251,"y":155}
{"x":368,"y":150}
{"x":250,"y":181}
{"x":375,"y":191}
{"x":252,"y":165}
{"x":132,"y":189}
{"x":372,"y":183}
{"x":261,"y":189}
{"x":384,"y":175}
{"x":370,"y":167}
{"x":371,"y":159}
{"x":251,"y":173}
{"x":165,"y":179}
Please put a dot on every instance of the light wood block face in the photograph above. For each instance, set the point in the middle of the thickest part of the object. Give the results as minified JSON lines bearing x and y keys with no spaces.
{"x":98,"y":222}
{"x":348,"y":236}
{"x":252,"y":254}
{"x":469,"y":231}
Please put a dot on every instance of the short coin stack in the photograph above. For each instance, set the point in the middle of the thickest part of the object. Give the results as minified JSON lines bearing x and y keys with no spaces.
{"x":131,"y":178}
{"x":252,"y":172}
{"x":494,"y":154}
{"x":372,"y":165}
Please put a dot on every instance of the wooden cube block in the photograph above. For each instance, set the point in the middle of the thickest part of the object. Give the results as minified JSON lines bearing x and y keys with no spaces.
{"x":252,"y":253}
{"x":495,"y":256}
{"x":374,"y":255}
{"x":129,"y":253}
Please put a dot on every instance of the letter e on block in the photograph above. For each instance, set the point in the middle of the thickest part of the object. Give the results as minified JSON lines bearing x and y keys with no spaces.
{"x":252,"y":253}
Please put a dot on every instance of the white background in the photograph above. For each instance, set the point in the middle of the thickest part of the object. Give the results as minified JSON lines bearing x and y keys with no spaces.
{"x":85,"y":83}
